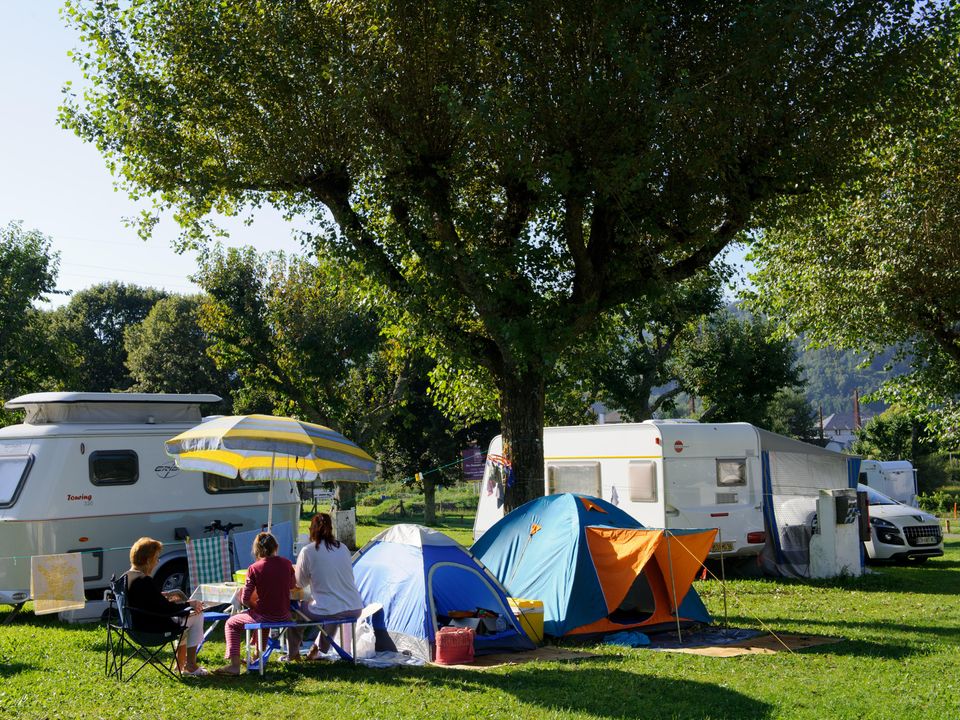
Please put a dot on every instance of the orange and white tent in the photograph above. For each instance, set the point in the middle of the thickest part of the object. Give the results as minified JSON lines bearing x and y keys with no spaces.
{"x":595,"y":568}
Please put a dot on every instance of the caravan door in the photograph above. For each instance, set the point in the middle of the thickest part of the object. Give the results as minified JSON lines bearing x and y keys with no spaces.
{"x":717,"y":492}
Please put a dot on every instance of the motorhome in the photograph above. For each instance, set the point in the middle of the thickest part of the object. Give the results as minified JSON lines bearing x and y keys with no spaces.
{"x":680,"y":474}
{"x":87,"y":472}
{"x":896,"y":479}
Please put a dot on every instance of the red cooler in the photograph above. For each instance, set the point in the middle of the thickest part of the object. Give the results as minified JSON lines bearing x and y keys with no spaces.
{"x":454,"y":646}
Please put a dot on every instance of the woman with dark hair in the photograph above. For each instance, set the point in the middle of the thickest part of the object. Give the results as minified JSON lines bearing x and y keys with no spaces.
{"x":266,"y":592}
{"x":325,"y":567}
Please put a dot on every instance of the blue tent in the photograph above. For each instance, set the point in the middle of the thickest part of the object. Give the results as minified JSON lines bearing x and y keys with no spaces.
{"x":595,"y":568}
{"x":420,"y":576}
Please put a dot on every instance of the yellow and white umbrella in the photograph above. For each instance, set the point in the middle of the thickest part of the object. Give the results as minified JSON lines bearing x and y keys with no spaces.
{"x":264,"y":447}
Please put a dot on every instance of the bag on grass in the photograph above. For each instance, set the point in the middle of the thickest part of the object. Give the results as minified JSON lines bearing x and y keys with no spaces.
{"x":366,"y":641}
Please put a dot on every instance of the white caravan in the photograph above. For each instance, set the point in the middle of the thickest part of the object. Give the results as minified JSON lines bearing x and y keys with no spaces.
{"x":896,"y":479}
{"x":88,"y":472}
{"x":671,"y":474}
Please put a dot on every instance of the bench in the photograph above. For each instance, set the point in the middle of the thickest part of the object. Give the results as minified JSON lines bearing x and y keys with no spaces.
{"x":277,"y":643}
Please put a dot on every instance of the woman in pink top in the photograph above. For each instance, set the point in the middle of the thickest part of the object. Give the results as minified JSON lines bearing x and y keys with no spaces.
{"x":266,"y":593}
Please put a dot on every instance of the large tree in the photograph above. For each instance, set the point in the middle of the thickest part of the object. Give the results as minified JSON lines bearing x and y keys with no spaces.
{"x":736,"y":366}
{"x":510,"y":170}
{"x":632,"y":362}
{"x":295,"y":333}
{"x":300,"y":338}
{"x":876,"y":263}
{"x":168,"y":352}
{"x":28,"y":351}
{"x":93,"y":324}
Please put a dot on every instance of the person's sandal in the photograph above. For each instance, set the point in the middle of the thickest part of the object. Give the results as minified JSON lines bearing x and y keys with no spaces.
{"x":197,"y":672}
{"x":313,"y":654}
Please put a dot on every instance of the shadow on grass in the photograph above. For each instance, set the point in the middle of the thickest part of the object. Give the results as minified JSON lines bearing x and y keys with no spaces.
{"x":8,"y":669}
{"x":598,"y":692}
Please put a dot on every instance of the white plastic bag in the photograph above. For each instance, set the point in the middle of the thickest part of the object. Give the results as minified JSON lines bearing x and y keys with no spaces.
{"x":366,"y":640}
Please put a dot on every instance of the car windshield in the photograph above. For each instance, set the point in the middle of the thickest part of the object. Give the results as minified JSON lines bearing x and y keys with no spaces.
{"x":874,"y":497}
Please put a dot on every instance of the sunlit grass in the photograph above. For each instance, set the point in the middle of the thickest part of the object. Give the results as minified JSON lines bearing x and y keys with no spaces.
{"x":899,"y":658}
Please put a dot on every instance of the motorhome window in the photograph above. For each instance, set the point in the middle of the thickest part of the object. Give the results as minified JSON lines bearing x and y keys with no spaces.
{"x":216,"y":484}
{"x":583,"y":478}
{"x":13,"y":471}
{"x":642,"y":477}
{"x":731,"y":472}
{"x":114,"y":467}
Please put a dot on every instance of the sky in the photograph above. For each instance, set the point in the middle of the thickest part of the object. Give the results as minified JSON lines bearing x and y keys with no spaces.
{"x":53,"y":182}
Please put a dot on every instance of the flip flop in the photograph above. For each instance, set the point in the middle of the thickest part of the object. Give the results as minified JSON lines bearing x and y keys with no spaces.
{"x":225,"y":672}
{"x":199,"y":672}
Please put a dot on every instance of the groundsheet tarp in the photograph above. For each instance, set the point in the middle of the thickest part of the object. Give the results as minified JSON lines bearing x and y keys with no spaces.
{"x":736,"y":641}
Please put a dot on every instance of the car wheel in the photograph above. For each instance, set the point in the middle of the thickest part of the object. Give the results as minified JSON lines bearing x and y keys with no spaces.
{"x":172,"y":576}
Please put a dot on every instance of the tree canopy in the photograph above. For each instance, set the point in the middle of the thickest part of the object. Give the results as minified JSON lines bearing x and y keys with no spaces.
{"x":92,"y":324}
{"x":28,"y":273}
{"x":876,"y":263}
{"x":168,"y":352}
{"x":736,"y":366}
{"x":510,"y":170}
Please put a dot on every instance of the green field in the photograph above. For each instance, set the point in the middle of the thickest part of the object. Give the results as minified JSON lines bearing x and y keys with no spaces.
{"x":900,"y":658}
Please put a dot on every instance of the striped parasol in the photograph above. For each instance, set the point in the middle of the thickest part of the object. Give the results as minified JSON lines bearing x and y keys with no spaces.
{"x":265,"y":447}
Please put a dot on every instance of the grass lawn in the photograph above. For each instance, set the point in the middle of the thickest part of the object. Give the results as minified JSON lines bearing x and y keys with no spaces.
{"x":899,"y":660}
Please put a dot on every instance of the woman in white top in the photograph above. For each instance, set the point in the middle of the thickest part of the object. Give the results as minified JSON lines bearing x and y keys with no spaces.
{"x":325,"y":567}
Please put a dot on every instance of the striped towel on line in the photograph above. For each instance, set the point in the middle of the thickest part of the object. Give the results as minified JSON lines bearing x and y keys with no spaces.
{"x":208,"y":560}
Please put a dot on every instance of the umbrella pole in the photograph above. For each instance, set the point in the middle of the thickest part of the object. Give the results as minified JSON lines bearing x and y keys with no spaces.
{"x":273,"y":464}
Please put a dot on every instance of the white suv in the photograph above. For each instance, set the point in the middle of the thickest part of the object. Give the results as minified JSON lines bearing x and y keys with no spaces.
{"x":900,"y":532}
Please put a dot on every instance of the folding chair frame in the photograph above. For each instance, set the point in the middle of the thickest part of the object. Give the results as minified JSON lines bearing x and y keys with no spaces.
{"x":126,"y":645}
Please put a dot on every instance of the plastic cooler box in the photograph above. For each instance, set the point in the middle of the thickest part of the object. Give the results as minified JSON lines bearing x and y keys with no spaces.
{"x":529,"y":614}
{"x":454,"y":646}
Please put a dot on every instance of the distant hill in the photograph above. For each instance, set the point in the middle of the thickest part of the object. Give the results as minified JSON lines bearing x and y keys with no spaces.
{"x":833,"y":375}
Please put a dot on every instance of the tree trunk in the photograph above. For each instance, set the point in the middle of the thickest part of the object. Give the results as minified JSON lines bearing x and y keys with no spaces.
{"x":521,"y":423}
{"x":429,"y":500}
{"x":344,"y":495}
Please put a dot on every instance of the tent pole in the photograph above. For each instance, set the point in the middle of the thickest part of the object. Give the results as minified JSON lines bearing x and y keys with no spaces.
{"x":723,"y":577}
{"x":673,"y":584}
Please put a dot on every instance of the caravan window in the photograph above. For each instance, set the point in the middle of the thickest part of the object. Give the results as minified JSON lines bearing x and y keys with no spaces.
{"x":215,"y":484}
{"x":114,"y":467}
{"x":13,"y":471}
{"x":642,"y":477}
{"x":731,"y":472}
{"x":583,"y":478}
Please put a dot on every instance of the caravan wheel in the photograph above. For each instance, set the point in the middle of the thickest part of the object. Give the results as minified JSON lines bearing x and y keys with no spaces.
{"x":172,"y":576}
